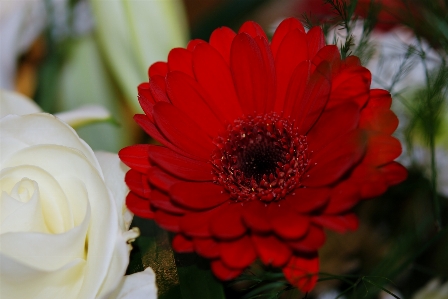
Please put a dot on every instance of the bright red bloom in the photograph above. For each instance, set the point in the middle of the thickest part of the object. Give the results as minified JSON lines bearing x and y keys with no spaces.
{"x":263,"y":146}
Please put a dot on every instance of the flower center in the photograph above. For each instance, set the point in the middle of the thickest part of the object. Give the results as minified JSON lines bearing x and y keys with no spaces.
{"x":260,"y":157}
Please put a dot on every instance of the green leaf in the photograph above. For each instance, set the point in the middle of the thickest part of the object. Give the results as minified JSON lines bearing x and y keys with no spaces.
{"x":196,"y":278}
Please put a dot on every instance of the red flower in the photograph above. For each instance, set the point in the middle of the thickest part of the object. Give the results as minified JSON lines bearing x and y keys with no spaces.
{"x":263,"y":146}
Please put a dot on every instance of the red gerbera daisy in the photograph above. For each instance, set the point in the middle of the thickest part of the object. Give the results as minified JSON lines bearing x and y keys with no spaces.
{"x":263,"y":146}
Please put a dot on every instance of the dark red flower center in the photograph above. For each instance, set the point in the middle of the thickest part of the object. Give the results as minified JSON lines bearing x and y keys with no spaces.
{"x":260,"y":157}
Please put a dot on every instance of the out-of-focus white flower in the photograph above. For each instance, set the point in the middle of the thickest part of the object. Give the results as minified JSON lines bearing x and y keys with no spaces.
{"x":64,"y":224}
{"x":135,"y":34}
{"x":21,"y":21}
{"x":434,"y":289}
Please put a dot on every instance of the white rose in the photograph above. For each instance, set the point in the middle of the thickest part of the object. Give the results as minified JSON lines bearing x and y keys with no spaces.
{"x":61,"y":233}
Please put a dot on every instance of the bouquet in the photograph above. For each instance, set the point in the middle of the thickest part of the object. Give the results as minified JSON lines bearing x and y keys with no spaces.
{"x":288,"y":150}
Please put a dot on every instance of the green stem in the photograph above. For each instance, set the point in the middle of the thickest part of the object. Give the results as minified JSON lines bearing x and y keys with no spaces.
{"x":435,"y":198}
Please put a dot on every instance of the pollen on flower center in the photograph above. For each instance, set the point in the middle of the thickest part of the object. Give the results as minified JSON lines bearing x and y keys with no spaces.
{"x":260,"y":157}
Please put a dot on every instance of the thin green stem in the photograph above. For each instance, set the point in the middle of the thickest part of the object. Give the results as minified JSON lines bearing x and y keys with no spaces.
{"x":432,"y":147}
{"x":435,"y":198}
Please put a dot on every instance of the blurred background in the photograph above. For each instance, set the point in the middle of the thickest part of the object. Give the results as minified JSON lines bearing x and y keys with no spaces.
{"x":66,"y":53}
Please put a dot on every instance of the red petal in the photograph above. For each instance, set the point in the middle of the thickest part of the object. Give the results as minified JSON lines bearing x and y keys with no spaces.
{"x":380,"y":120}
{"x":197,"y":224}
{"x":206,"y":247}
{"x":270,"y":73}
{"x":292,"y":51}
{"x":159,"y":81}
{"x":145,"y":99}
{"x":213,"y":74}
{"x":377,"y":116}
{"x":149,"y":94}
{"x":158,"y":94}
{"x":247,"y":66}
{"x":329,"y":164}
{"x":180,"y":59}
{"x":343,"y":197}
{"x":306,"y":200}
{"x":282,"y":30}
{"x":148,"y":126}
{"x":138,"y":183}
{"x":182,"y":244}
{"x":352,"y":85}
{"x":271,"y":250}
{"x":223,"y":272}
{"x":193,"y":43}
{"x":287,"y":223}
{"x":228,"y":224}
{"x":316,"y":40}
{"x":311,"y":242}
{"x":339,"y":223}
{"x":136,"y":157}
{"x":187,"y":95}
{"x":253,"y":29}
{"x":332,"y":124}
{"x":198,"y":196}
{"x":302,"y":271}
{"x":221,"y":39}
{"x":330,"y":54}
{"x":139,"y":206}
{"x":159,"y":68}
{"x":167,"y":221}
{"x":178,"y":165}
{"x":296,"y":88}
{"x":382,"y":149}
{"x":182,"y":131}
{"x":307,"y":110}
{"x":352,"y":61}
{"x":161,"y":201}
{"x":160,"y":179}
{"x":369,"y":180}
{"x":380,"y":98}
{"x":254,"y":216}
{"x":238,"y":253}
{"x":394,"y":173}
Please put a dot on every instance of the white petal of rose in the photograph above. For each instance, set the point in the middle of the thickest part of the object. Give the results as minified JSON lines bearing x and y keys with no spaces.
{"x":117,"y":190}
{"x":25,"y":282}
{"x":55,"y":206}
{"x":16,"y":103}
{"x":103,"y":230}
{"x":22,"y":215}
{"x":114,"y":172}
{"x":46,"y":252}
{"x":14,"y":136}
{"x":138,"y":285}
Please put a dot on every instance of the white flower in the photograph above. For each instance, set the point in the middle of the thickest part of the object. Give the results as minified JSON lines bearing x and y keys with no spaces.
{"x":135,"y":34}
{"x":63,"y":223}
{"x":21,"y":21}
{"x":433,"y":290}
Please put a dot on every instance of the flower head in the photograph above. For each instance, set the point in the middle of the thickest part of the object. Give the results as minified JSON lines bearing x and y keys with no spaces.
{"x":264,"y":144}
{"x":63,"y":221}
